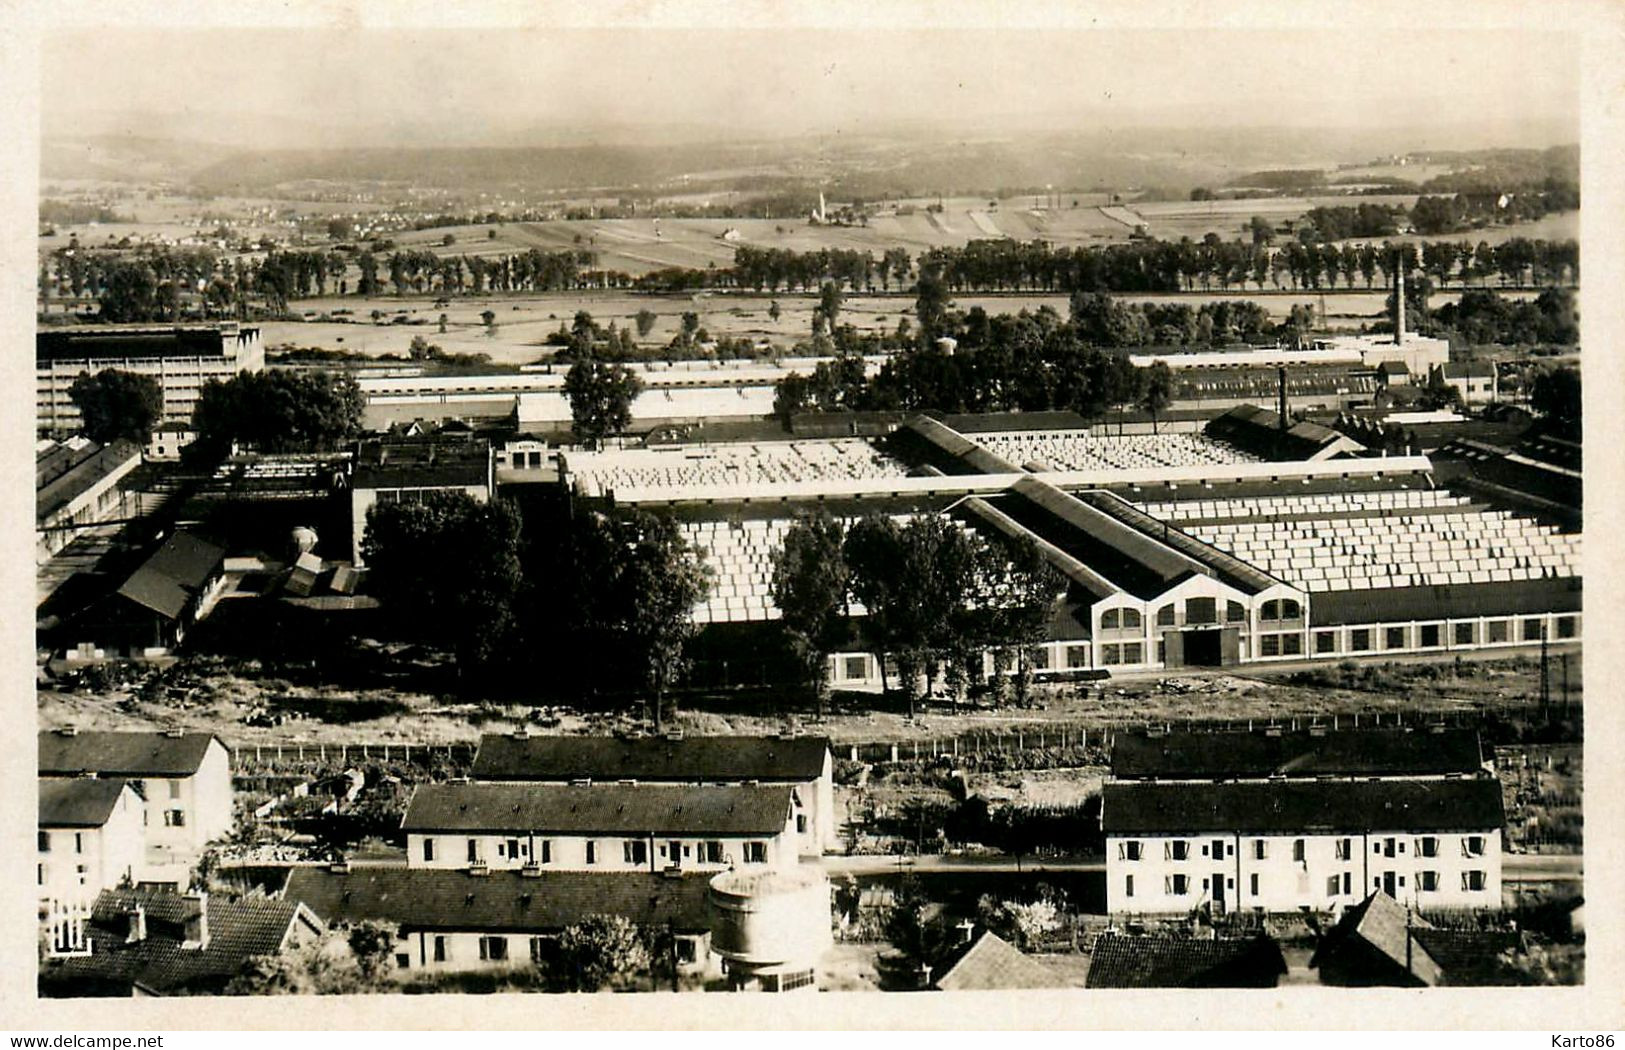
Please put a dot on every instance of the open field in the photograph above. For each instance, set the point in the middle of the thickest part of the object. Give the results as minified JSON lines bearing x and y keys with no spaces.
{"x":219,"y":700}
{"x":524,"y":321}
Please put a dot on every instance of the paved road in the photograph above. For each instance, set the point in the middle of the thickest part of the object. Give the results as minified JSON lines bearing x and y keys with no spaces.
{"x":1515,"y":867}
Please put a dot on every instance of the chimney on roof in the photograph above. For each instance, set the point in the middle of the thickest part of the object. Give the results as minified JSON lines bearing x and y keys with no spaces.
{"x":197,"y":926}
{"x":68,"y":730}
{"x":137,"y":915}
{"x":174,"y":733}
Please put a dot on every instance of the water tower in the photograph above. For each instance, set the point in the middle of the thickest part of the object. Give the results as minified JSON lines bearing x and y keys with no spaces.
{"x":771,"y":926}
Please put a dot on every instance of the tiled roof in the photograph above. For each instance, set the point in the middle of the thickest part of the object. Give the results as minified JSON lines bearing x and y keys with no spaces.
{"x":1446,"y":601}
{"x":1380,"y":942}
{"x":133,"y":754}
{"x":80,"y":475}
{"x":238,"y":930}
{"x":993,"y":963}
{"x":174,"y":575}
{"x":439,"y":899}
{"x":694,"y":758}
{"x":600,"y":808}
{"x":1284,"y":807}
{"x":1347,"y":752}
{"x":1159,"y":961}
{"x":83,"y":802}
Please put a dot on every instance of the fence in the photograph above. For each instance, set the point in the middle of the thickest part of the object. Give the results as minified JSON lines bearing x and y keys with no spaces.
{"x":253,"y":757}
{"x":1008,"y":740}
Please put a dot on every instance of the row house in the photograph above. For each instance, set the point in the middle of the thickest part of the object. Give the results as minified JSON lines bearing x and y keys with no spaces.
{"x":1301,"y":845}
{"x":91,"y":837}
{"x":801,"y":763}
{"x":600,"y":827}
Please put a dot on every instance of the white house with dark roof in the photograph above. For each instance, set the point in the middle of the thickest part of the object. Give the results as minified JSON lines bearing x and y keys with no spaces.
{"x":453,"y":920}
{"x":91,"y":837}
{"x":184,"y":779}
{"x":1301,"y":844}
{"x":153,"y":609}
{"x":600,"y":827}
{"x":801,"y":762}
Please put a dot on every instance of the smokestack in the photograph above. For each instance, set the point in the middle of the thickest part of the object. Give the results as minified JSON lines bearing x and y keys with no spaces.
{"x":1399,"y":301}
{"x":1280,"y":378}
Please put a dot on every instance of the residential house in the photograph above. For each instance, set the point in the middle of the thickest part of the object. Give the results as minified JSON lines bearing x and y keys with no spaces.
{"x":91,"y":837}
{"x":141,"y":942}
{"x":1381,"y":942}
{"x":455,"y":920}
{"x":1310,"y":752}
{"x":1309,"y":845}
{"x":184,"y":779}
{"x":1175,"y":961}
{"x":990,"y":963}
{"x":801,"y":762}
{"x":600,"y":827}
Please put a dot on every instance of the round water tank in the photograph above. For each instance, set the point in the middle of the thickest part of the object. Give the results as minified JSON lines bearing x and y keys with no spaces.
{"x":768,"y":917}
{"x":304,"y":540}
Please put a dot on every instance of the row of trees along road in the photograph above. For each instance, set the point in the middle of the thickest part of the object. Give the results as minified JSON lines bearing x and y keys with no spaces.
{"x":936,"y":596}
{"x":601,"y":603}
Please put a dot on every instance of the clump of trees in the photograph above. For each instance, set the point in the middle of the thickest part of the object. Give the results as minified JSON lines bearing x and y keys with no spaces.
{"x":601,"y":395}
{"x":279,"y":410}
{"x":1481,"y":317}
{"x":116,"y":404}
{"x":1556,"y":395}
{"x":936,"y":597}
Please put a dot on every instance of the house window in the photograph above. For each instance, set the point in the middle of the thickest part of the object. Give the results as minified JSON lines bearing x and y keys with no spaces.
{"x":1394,"y":638}
{"x":494,"y":949}
{"x":1497,"y":630}
{"x":1040,"y":658}
{"x":1325,"y":641}
{"x":1111,"y":620}
{"x":1297,"y":850}
{"x":174,"y":818}
{"x":45,"y":842}
{"x":1129,"y":850}
{"x":1260,"y":849}
{"x":1133,"y":653}
{"x":1473,"y":881}
{"x":1269,"y":645}
{"x":1291,"y":610}
{"x":857,"y":667}
{"x":1291,"y":644}
{"x":1427,"y":881}
{"x":686,"y":952}
{"x":1348,"y":884}
{"x":1165,"y":615}
{"x":592,"y":853}
{"x":1566,"y":627}
{"x":1201,"y":610}
{"x":1360,"y":639}
{"x":1178,"y":849}
{"x":80,"y":869}
{"x":1252,"y":884}
{"x":1110,"y":655}
{"x":713,"y":853}
{"x":547,"y":851}
{"x":440,"y":949}
{"x":174,"y":789}
{"x":635,"y":851}
{"x":428,"y":850}
{"x":1131,"y":619}
{"x":801,"y":823}
{"x":1077,"y":656}
{"x":403,"y":960}
{"x":1430,"y":635}
{"x":1270,"y":611}
{"x":1427,"y":846}
{"x":755,"y":853}
{"x":1331,"y":886}
{"x":538,"y":949}
{"x":1473,"y":846}
{"x":42,"y":872}
{"x":1178,"y":885}
{"x":1343,"y":849}
{"x":1532,"y":630}
{"x":1235,"y":612}
{"x":473,"y":850}
{"x":1464,"y":633}
{"x":1128,"y":884}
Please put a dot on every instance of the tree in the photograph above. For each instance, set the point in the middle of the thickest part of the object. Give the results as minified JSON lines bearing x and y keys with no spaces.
{"x":646,"y":322}
{"x":773,"y":311}
{"x":1159,"y":390}
{"x":372,"y":944}
{"x":809,"y":585}
{"x":601,"y":396}
{"x":129,"y":293}
{"x":599,"y":953}
{"x":872,"y":550}
{"x":829,"y":306}
{"x":116,"y":404}
{"x":664,"y":580}
{"x":278,"y":410}
{"x":448,"y":566}
{"x":1555,"y":394}
{"x":931,"y":303}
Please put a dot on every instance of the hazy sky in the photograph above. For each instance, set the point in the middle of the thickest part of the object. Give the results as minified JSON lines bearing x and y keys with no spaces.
{"x":482,"y":82}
